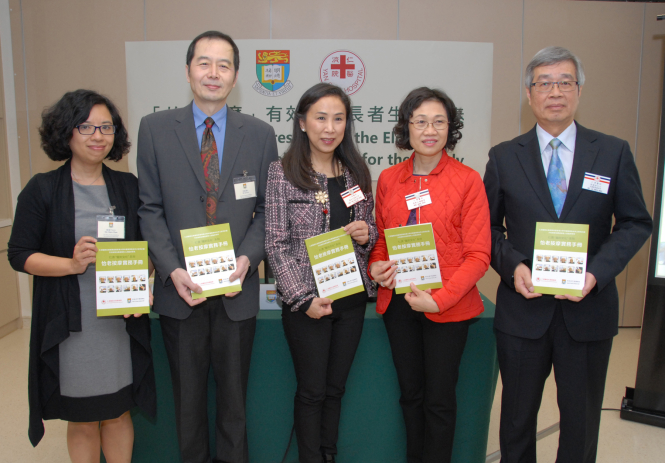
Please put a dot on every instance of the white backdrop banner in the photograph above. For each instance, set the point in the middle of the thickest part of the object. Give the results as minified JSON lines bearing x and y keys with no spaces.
{"x":377,"y":74}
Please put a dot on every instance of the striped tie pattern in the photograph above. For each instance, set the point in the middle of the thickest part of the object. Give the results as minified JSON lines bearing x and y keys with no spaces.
{"x":210,"y":161}
{"x":556,"y":178}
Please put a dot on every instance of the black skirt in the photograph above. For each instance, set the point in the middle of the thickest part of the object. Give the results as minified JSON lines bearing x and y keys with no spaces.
{"x":88,"y":409}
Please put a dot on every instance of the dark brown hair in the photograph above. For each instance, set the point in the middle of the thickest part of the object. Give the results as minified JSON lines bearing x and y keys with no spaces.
{"x":297,"y":163}
{"x":412,"y":102}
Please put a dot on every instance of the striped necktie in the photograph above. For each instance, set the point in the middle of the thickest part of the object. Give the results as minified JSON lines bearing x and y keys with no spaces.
{"x":210,"y":170}
{"x":556,"y":178}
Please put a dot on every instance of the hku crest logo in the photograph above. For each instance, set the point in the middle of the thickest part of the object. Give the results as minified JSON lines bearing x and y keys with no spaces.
{"x":110,"y":224}
{"x":271,"y":295}
{"x":272,"y":70}
{"x":344,"y":69}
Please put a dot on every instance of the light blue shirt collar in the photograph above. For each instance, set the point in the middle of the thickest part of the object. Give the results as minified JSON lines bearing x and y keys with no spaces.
{"x":219,"y":117}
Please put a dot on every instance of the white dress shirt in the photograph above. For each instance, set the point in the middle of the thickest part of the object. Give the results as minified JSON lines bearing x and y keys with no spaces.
{"x":566,"y":149}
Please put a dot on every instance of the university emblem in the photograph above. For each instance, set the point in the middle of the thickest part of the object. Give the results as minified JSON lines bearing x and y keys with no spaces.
{"x":271,"y":295}
{"x":272,"y":70}
{"x":344,"y":69}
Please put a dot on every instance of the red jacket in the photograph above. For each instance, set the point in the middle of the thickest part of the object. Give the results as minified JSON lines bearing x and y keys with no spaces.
{"x":459,"y":215}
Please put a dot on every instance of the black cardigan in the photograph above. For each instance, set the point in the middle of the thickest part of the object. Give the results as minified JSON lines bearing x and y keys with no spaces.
{"x":44,"y":222}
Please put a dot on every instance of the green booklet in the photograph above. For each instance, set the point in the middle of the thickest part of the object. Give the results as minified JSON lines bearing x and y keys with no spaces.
{"x":560,"y":258}
{"x":210,"y":259}
{"x":121,"y":282}
{"x":414,"y":249}
{"x":334,"y":264}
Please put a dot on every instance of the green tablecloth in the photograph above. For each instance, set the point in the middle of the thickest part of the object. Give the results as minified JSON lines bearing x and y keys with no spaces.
{"x":371,"y":427}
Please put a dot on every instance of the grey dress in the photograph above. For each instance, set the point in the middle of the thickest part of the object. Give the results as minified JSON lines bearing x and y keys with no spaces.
{"x":95,"y":363}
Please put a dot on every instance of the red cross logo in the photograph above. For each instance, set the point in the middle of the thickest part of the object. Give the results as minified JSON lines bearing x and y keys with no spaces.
{"x":343,"y":66}
{"x":345,"y":69}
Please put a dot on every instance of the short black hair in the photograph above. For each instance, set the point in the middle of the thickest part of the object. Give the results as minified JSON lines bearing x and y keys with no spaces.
{"x":211,"y":35}
{"x":412,"y":102}
{"x":60,"y":120}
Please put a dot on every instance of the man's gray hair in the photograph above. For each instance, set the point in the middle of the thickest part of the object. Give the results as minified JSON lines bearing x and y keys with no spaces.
{"x":553,"y":55}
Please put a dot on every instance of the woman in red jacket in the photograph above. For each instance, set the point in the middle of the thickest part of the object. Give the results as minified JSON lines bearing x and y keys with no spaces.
{"x":427,"y":330}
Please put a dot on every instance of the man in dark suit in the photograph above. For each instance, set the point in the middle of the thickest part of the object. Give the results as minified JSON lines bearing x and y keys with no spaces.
{"x":188,"y":159}
{"x":539,"y":177}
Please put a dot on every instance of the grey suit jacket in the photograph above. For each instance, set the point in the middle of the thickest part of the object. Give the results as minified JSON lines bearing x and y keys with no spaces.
{"x":518,"y":194}
{"x":173,"y":197}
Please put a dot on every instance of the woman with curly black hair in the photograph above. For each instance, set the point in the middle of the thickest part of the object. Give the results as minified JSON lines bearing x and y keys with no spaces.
{"x":427,"y":330}
{"x":86,"y":370}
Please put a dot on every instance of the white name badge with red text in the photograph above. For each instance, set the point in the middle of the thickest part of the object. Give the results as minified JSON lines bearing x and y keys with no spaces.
{"x":352,"y":195}
{"x":418,"y":199}
{"x":597,"y":183}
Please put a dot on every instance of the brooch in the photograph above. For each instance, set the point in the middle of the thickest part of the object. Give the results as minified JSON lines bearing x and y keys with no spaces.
{"x":321,"y":198}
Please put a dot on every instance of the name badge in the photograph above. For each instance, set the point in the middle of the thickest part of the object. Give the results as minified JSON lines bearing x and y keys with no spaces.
{"x":352,"y":195}
{"x":245,"y":187}
{"x":597,"y":183}
{"x":418,"y":199}
{"x":111,"y":227}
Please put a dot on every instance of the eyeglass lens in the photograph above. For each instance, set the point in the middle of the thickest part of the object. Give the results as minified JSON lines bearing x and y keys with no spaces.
{"x":422,"y":125}
{"x":89,"y":129}
{"x":564,"y":86}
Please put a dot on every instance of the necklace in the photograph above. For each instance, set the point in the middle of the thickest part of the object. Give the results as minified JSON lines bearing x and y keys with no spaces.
{"x":81,"y":183}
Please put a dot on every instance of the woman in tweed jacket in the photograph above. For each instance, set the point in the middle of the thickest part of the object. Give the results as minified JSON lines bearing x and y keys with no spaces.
{"x":303,"y":200}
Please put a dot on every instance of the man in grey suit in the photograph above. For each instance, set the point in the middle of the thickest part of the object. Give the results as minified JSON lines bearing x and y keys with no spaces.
{"x":188,"y":159}
{"x":541,"y":176}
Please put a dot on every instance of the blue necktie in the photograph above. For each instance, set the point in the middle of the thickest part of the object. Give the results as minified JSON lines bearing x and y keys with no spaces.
{"x":556,"y":178}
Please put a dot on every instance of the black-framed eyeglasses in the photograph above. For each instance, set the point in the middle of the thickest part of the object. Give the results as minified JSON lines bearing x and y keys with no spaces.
{"x":422,"y":124}
{"x":564,"y":86}
{"x":89,"y":129}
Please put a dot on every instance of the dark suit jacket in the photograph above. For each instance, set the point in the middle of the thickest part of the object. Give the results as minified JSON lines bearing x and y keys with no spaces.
{"x":517,"y":191}
{"x":173,"y":197}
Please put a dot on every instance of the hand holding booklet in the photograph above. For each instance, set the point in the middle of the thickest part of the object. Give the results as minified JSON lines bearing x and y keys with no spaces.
{"x":560,"y":258}
{"x":121,"y":282}
{"x":334,"y":264}
{"x":210,"y":259}
{"x":414,"y":249}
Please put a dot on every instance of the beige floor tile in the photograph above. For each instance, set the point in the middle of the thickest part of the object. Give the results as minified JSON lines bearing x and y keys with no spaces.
{"x":14,"y":444}
{"x":626,"y":441}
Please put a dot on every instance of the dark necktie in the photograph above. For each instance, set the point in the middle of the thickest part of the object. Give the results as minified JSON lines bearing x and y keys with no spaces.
{"x":556,"y":178}
{"x":210,"y":170}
